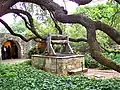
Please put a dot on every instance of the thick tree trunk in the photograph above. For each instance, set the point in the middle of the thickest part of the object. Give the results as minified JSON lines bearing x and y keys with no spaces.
{"x":96,"y":53}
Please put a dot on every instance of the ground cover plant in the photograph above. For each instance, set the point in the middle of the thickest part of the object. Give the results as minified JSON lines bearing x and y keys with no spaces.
{"x":24,"y":77}
{"x":91,"y":63}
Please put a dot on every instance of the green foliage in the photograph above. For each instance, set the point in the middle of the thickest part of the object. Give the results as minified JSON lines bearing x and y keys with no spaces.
{"x":117,"y":58}
{"x":32,"y":51}
{"x":104,"y":40}
{"x":102,"y":12}
{"x":76,"y":31}
{"x":113,"y":56}
{"x":46,"y":27}
{"x":107,"y":13}
{"x":3,"y":30}
{"x":19,"y":27}
{"x":28,"y":78}
{"x":35,"y":50}
{"x":91,"y":63}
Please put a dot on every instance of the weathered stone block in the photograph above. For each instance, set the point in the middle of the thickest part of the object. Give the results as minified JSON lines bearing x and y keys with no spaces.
{"x":58,"y":64}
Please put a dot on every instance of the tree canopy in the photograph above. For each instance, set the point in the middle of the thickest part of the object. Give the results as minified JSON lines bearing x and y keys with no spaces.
{"x":59,"y":14}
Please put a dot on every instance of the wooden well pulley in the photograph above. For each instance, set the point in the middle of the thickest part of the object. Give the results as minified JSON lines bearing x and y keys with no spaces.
{"x":58,"y":40}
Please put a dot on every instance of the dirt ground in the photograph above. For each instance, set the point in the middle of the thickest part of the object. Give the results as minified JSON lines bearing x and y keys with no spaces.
{"x":91,"y":73}
{"x":95,"y":73}
{"x":13,"y":61}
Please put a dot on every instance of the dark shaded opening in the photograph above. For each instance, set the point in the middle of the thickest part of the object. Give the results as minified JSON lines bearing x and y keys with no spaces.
{"x":9,"y":50}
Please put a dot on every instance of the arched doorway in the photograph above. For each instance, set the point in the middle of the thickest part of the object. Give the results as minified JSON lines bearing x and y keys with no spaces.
{"x":10,"y":50}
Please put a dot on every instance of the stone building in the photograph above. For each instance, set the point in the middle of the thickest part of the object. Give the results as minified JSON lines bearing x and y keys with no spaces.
{"x":12,"y":47}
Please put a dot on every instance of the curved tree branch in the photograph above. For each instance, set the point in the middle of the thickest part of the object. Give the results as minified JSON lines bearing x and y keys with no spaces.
{"x":56,"y":25}
{"x":6,"y":4}
{"x":110,"y":31}
{"x":15,"y":34}
{"x":110,"y":51}
{"x":91,"y":27}
{"x":26,"y":23}
{"x":81,"y":2}
{"x":96,"y":53}
{"x":78,"y":39}
{"x":113,"y":17}
{"x":29,"y":24}
{"x":118,"y":1}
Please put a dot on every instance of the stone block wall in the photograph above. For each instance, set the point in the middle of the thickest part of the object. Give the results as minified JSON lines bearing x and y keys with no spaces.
{"x":58,"y":65}
{"x":23,"y":46}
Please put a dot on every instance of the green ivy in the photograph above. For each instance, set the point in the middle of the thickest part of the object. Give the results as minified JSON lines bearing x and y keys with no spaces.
{"x":25,"y":77}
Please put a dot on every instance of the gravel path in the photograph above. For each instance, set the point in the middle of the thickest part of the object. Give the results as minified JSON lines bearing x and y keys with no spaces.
{"x":95,"y":73}
{"x":13,"y":61}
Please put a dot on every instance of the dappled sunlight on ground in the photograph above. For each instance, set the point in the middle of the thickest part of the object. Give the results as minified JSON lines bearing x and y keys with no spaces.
{"x":95,"y":73}
{"x":13,"y":61}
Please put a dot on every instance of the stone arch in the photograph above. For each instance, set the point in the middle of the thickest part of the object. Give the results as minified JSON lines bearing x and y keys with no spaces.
{"x":10,"y":49}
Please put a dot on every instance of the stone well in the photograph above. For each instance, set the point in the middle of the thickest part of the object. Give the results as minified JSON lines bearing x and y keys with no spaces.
{"x":61,"y":64}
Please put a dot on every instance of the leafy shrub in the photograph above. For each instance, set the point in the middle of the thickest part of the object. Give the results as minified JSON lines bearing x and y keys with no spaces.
{"x":35,"y":50}
{"x":113,"y":56}
{"x":90,"y":62}
{"x":30,"y":78}
{"x":102,"y":67}
{"x":117,"y":58}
